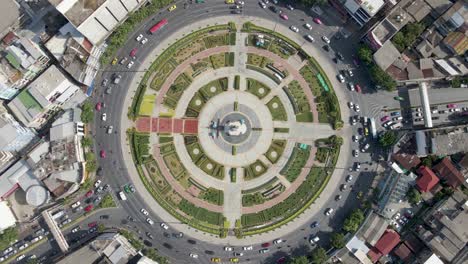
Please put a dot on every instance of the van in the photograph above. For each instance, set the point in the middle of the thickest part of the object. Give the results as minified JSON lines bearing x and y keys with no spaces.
{"x":122,"y":196}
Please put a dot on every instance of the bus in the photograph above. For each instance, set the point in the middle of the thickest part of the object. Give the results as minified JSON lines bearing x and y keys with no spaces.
{"x":373,"y":127}
{"x":158,"y":26}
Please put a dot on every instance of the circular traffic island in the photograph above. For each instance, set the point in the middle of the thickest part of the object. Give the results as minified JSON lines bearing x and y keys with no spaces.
{"x":228,"y":136}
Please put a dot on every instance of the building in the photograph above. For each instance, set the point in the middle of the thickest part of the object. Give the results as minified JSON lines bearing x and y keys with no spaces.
{"x":407,"y":161}
{"x":363,"y":11}
{"x":447,"y":171}
{"x":427,"y":180}
{"x":96,"y":20}
{"x":46,"y":95}
{"x":8,"y":218}
{"x":10,"y":16}
{"x":13,"y":136}
{"x":445,"y":230}
{"x":386,"y":243}
{"x":110,"y":248}
{"x":20,"y":63}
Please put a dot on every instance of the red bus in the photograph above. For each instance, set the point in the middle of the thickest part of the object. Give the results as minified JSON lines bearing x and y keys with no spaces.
{"x":158,"y":26}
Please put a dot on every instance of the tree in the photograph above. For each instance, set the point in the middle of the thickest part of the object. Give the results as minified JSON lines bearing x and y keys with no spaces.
{"x":413,"y":195}
{"x":388,"y":139}
{"x":319,"y":255}
{"x":86,"y":141}
{"x":380,"y":77}
{"x":32,"y":261}
{"x":337,"y":240}
{"x":87,"y":112}
{"x":299,"y":260}
{"x":313,"y":2}
{"x":87,"y":184}
{"x":153,"y":254}
{"x":399,"y":41}
{"x":101,"y":228}
{"x":8,"y":236}
{"x":365,"y":54}
{"x":353,"y":221}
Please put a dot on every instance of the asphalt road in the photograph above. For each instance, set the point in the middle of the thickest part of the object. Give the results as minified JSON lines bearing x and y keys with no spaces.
{"x":177,"y":250}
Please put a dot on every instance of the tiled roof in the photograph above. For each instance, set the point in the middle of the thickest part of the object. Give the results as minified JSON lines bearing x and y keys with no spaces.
{"x":428,"y":179}
{"x":403,"y":252}
{"x":387,"y":242}
{"x":447,"y":171}
{"x":407,"y":161}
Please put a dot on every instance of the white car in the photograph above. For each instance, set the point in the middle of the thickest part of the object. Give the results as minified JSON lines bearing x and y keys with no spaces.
{"x":349,"y":178}
{"x":310,"y":38}
{"x":351,"y":86}
{"x":278,"y":241}
{"x":355,"y":138}
{"x":20,"y":257}
{"x":351,"y":105}
{"x":97,"y":183}
{"x":164,"y":226}
{"x":143,"y":41}
{"x":314,"y":240}
{"x":262,"y":4}
{"x":130,"y":64}
{"x":149,"y":221}
{"x":228,"y":249}
{"x":329,"y":211}
{"x":350,"y":73}
{"x":355,"y":153}
{"x":139,"y":37}
{"x":104,"y":117}
{"x":25,"y":245}
{"x":240,"y":3}
{"x":356,"y":108}
{"x":109,"y":129}
{"x":193,"y":255}
{"x":325,"y":39}
{"x":75,"y":205}
{"x":143,"y":211}
{"x":238,"y":254}
{"x":247,"y":248}
{"x":308,"y":26}
{"x":365,"y":147}
{"x":74,"y":230}
{"x":294,"y":28}
{"x":341,"y":78}
{"x":290,"y":7}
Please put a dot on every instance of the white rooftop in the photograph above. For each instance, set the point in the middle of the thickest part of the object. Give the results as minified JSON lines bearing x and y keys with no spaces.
{"x":8,"y":219}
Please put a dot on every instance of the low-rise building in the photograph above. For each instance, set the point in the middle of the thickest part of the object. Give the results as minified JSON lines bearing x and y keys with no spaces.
{"x":386,"y":243}
{"x":8,"y":218}
{"x":13,"y":136}
{"x":363,"y":11}
{"x":44,"y":97}
{"x":447,"y":171}
{"x":427,"y":180}
{"x":407,"y":161}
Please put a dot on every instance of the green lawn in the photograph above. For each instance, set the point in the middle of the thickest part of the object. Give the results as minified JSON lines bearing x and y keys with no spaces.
{"x":257,"y":88}
{"x":28,"y":101}
{"x":276,"y":150}
{"x":146,"y":108}
{"x":213,"y":196}
{"x":254,"y":170}
{"x":296,"y":162}
{"x":277,"y":109}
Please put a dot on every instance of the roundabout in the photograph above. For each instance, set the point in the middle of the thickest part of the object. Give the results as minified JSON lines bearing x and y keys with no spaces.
{"x":269,"y":183}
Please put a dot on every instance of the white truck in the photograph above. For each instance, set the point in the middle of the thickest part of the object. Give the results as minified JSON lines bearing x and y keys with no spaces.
{"x":122,"y":196}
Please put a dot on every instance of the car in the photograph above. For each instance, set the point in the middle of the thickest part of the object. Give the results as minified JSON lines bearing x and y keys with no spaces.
{"x":314,"y":240}
{"x":131,"y":188}
{"x":385,"y":118}
{"x":117,"y":78}
{"x":325,"y":39}
{"x":357,"y":108}
{"x":266,"y":1}
{"x":338,"y":197}
{"x":149,"y":235}
{"x":143,"y":211}
{"x":340,"y":78}
{"x":238,"y":254}
{"x":151,"y":222}
{"x":353,"y":121}
{"x":172,"y":8}
{"x":357,"y":166}
{"x":350,"y":105}
{"x":105,"y":82}
{"x":92,"y":224}
{"x":193,"y":255}
{"x":237,"y":11}
{"x":398,"y":98}
{"x":109,"y":129}
{"x":349,"y":178}
{"x":290,"y":7}
{"x":365,"y":147}
{"x":229,"y":1}
{"x":97,"y":199}
{"x":355,"y":153}
{"x":66,"y":221}
{"x":397,"y":118}
{"x":396,"y":113}
{"x":294,"y":28}
{"x":358,"y":88}
{"x":114,"y":61}
{"x":329,"y":211}
{"x":130,"y":64}
{"x":418,"y":119}
{"x":247,"y":248}
{"x":265,"y":244}
{"x":420,"y":114}
{"x":102,"y":153}
{"x":451,"y":105}
{"x":326,"y":48}
{"x":164,"y":226}
{"x":139,"y":37}
{"x":355,"y":138}
{"x":309,"y":38}
{"x":340,"y":56}
{"x":314,"y":224}
{"x":75,"y":205}
{"x":262,"y":5}
{"x":264,"y":250}
{"x":351,"y":86}
{"x":92,"y":230}
{"x":350,"y":73}
{"x":228,"y":248}
{"x":123,"y":60}
{"x":133,"y":52}
{"x":317,"y":20}
{"x":24,"y":246}
{"x":215,"y":260}
{"x":284,"y":16}
{"x":240,"y":3}
{"x":89,"y":193}
{"x":76,"y":229}
{"x":178,"y":235}
{"x":20,"y":257}
{"x":234,"y":260}
{"x":104,"y":117}
{"x":274,"y":9}
{"x":98,"y":106}
{"x":278,"y":241}
{"x":97,"y":183}
{"x":143,"y":41}
{"x":308,"y":26}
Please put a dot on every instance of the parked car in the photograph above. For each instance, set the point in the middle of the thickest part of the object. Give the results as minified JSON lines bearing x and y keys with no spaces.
{"x":139,"y":37}
{"x":228,"y":249}
{"x":396,"y":113}
{"x":294,"y":28}
{"x":284,"y":16}
{"x":385,"y":118}
{"x":266,"y":244}
{"x":365,"y":147}
{"x":164,"y":226}
{"x":326,"y":39}
{"x":247,"y":248}
{"x":143,"y":211}
{"x":308,"y":26}
{"x":329,"y":211}
{"x":317,"y":20}
{"x":314,"y":240}
{"x":340,"y":78}
{"x":451,"y":105}
{"x":278,"y":241}
{"x":309,"y":38}
{"x":349,"y":178}
{"x":151,"y":222}
{"x":102,"y":153}
{"x":358,"y":88}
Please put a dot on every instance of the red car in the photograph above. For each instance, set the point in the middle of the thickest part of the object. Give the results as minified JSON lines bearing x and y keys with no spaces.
{"x":317,"y":20}
{"x":133,"y":52}
{"x":88,"y":208}
{"x":90,"y":193}
{"x":451,"y":105}
{"x":98,"y":106}
{"x":385,"y":118}
{"x":358,"y":88}
{"x":92,"y":224}
{"x":281,"y":260}
{"x":284,"y":16}
{"x":265,"y":244}
{"x":102,"y":153}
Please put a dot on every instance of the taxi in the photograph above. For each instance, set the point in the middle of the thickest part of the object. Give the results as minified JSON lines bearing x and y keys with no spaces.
{"x":172,"y":8}
{"x":215,"y":260}
{"x":114,"y":61}
{"x":229,"y":1}
{"x":234,"y":260}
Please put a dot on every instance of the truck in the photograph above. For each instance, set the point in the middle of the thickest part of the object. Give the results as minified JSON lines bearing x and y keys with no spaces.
{"x":122,"y":196}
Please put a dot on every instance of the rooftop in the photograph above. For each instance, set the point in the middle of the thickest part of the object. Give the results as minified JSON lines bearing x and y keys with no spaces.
{"x":403,"y":252}
{"x":386,"y":55}
{"x":447,"y":171}
{"x":9,"y":14}
{"x":407,"y":161}
{"x":428,"y":179}
{"x":388,"y":241}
